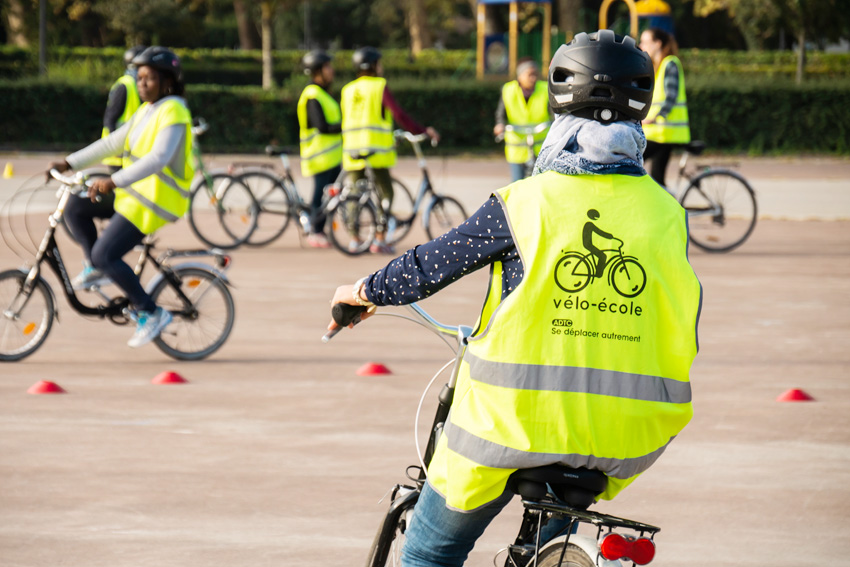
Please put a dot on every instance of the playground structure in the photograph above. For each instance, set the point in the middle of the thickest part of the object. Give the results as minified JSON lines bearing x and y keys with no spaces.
{"x":494,"y":58}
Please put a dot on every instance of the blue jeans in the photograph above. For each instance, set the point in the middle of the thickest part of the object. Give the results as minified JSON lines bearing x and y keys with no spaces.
{"x":440,"y":537}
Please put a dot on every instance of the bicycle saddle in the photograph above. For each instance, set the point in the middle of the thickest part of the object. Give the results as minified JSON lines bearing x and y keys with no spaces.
{"x":577,"y":487}
{"x":279,"y":150}
{"x":695,"y":147}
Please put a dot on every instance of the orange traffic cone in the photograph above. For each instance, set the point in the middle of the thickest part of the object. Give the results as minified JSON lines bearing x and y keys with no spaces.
{"x":45,"y":387}
{"x":168,"y":377}
{"x":372,"y":369}
{"x":795,"y":395}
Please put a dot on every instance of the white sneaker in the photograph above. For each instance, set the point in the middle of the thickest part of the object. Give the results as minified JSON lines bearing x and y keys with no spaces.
{"x":149,"y":326}
{"x":90,"y":277}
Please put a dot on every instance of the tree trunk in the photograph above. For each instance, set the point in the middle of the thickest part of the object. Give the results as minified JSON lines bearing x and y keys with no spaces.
{"x":266,"y":25}
{"x":420,"y":35}
{"x":248,"y":36}
{"x":801,"y":54}
{"x":568,"y":11}
{"x":16,"y":27}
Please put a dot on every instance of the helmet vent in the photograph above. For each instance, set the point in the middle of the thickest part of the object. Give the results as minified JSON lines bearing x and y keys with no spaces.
{"x":563,"y":76}
{"x":601,"y":92}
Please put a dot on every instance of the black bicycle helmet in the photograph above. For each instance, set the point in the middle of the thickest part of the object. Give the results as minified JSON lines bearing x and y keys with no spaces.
{"x":161,"y":59}
{"x":366,"y":58}
{"x":314,"y":60}
{"x":131,"y":53}
{"x":602,"y":76}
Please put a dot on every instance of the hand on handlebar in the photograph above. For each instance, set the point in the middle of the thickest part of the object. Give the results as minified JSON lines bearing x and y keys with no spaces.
{"x":433,"y":134}
{"x":343,"y":298}
{"x":60,"y":166}
{"x":100,"y":186}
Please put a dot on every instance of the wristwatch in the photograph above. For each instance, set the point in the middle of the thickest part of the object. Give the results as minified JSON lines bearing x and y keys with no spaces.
{"x":355,"y":293}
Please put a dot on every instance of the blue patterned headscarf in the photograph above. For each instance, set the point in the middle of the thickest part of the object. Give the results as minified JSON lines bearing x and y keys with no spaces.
{"x":577,"y":146}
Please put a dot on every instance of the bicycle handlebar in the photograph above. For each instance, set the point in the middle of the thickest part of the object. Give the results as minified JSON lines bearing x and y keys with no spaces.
{"x":199,"y":126}
{"x":70,"y":180}
{"x":523,"y":130}
{"x":414,"y":138}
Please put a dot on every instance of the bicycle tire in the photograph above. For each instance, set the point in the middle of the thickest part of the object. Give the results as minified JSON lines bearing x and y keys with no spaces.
{"x":722,"y":210}
{"x":386,"y":547}
{"x":574,"y":556}
{"x":573,"y":259}
{"x":443,"y":214}
{"x":274,"y":203}
{"x":32,"y":321}
{"x":197,"y":331}
{"x":402,"y":213}
{"x":223,"y":215}
{"x":352,"y":225}
{"x":636,"y":277}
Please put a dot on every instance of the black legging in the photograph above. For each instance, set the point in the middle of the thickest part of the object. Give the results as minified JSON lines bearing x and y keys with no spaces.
{"x":659,"y":154}
{"x":106,"y":252}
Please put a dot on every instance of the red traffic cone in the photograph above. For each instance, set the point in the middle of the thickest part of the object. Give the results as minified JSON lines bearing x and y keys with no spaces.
{"x":795,"y":395}
{"x":168,"y":377}
{"x":372,"y":369}
{"x":45,"y":387}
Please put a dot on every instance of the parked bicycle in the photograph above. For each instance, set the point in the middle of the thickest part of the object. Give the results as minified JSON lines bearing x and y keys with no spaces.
{"x":548,"y":492}
{"x":721,"y":204}
{"x":195,"y":293}
{"x":360,"y":215}
{"x":529,"y":132}
{"x":223,"y":212}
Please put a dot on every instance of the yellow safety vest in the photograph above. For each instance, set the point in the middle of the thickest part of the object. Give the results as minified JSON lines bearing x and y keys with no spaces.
{"x":366,"y":127}
{"x":522,"y":113}
{"x":588,"y":377}
{"x":319,"y":152}
{"x":163,"y":197}
{"x":674,"y":129}
{"x":131,"y":105}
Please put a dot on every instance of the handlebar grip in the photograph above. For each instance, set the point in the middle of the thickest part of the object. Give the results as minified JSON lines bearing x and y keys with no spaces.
{"x":344,"y":314}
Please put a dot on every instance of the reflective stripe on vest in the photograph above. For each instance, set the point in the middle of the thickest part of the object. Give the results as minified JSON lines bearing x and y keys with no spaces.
{"x":366,"y":126}
{"x":131,"y":105}
{"x":319,"y":152}
{"x":596,"y":376}
{"x":674,"y":128}
{"x":522,"y":113}
{"x":164,"y":196}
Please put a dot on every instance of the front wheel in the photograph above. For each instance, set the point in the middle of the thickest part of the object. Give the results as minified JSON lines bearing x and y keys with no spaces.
{"x":203,"y":313}
{"x":388,"y":542}
{"x":628,"y":277}
{"x":574,"y":556}
{"x":444,"y":214}
{"x":273,"y":202}
{"x":721,"y":208}
{"x":400,"y":219}
{"x":352,"y":225}
{"x":25,"y":317}
{"x":222,"y":211}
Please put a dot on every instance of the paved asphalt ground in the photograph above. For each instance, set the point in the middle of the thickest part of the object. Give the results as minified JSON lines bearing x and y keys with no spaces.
{"x":276,"y":452}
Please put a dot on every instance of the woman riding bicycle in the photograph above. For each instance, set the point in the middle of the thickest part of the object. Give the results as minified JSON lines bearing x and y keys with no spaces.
{"x":368,"y":109}
{"x":529,"y":393}
{"x":150,"y":191}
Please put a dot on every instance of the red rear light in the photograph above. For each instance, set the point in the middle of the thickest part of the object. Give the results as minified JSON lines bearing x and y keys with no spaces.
{"x":615,"y":546}
{"x":333,"y":190}
{"x":643,"y":551}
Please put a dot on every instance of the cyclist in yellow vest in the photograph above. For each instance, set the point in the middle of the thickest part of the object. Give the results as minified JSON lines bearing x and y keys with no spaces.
{"x":524,"y":102}
{"x":667,"y":122}
{"x":151,"y":190}
{"x":122,"y":103}
{"x":368,"y":109}
{"x":320,"y":129}
{"x":562,"y":367}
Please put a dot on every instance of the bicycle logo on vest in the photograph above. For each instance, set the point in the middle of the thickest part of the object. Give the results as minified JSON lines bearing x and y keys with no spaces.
{"x":575,"y":270}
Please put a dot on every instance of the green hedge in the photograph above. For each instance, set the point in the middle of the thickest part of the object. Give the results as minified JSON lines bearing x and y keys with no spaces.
{"x":728,"y":115}
{"x":236,"y":67}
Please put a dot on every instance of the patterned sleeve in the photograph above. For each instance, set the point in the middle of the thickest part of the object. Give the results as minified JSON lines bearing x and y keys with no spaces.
{"x":420,"y":272}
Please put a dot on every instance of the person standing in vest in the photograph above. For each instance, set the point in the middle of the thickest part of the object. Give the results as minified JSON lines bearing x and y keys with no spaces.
{"x":666,"y":125}
{"x":524,"y":102}
{"x":320,"y":131}
{"x":617,"y":393}
{"x":151,"y":190}
{"x":122,"y":103}
{"x":368,"y":109}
